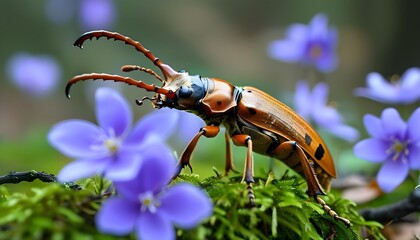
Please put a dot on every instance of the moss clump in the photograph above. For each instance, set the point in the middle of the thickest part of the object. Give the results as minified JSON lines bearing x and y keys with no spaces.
{"x":283,"y":211}
{"x":51,"y":212}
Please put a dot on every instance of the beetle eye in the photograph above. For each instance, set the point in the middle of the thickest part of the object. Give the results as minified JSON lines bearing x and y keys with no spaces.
{"x":184,"y":92}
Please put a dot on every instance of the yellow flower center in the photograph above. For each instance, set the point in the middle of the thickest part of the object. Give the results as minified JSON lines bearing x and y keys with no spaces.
{"x":397,"y":148}
{"x":112,"y":144}
{"x":148,"y":202}
{"x":315,"y":51}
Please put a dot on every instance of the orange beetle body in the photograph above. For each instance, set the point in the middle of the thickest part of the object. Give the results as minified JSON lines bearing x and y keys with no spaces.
{"x":268,"y":122}
{"x":264,"y":112}
{"x":252,"y":118}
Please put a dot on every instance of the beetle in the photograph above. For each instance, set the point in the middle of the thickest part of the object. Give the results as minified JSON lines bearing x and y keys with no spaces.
{"x":252,"y":119}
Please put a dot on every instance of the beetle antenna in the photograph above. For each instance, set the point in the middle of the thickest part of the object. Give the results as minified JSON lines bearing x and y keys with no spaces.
{"x":116,"y":78}
{"x":169,"y":73}
{"x":129,"y":68}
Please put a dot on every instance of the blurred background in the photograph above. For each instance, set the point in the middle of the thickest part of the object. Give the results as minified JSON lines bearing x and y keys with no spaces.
{"x":224,"y":39}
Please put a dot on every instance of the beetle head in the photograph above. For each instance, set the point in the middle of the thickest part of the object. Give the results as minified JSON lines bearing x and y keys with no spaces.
{"x":189,"y":91}
{"x":179,"y":89}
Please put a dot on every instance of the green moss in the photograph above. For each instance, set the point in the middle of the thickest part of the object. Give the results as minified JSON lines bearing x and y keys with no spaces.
{"x":52,"y":212}
{"x":282,"y":211}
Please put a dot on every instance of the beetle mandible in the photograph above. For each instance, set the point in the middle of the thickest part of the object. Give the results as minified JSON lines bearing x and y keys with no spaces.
{"x":252,"y":119}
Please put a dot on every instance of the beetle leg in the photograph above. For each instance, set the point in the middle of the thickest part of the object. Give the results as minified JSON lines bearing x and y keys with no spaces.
{"x":248,"y":177}
{"x":331,"y":212}
{"x":184,"y":160}
{"x":291,"y":151}
{"x":229,"y":159}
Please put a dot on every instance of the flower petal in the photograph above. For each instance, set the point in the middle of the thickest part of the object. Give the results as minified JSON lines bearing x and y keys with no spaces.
{"x":393,"y":124}
{"x":328,"y":62}
{"x":97,"y":14}
{"x":188,"y":126}
{"x":297,"y":32}
{"x":318,"y":26}
{"x":161,"y":123}
{"x":77,"y":138}
{"x":410,"y":85}
{"x":117,"y":216}
{"x":413,"y":126}
{"x":36,"y":75}
{"x":154,"y":226}
{"x":414,"y":156}
{"x":373,"y":126}
{"x":124,"y":167}
{"x":410,"y":80}
{"x":326,"y":116}
{"x":112,"y":112}
{"x":371,"y":149}
{"x":378,"y":89}
{"x":285,"y":50}
{"x":320,"y":94}
{"x":377,"y":82}
{"x":82,"y":168}
{"x":392,"y":174}
{"x":157,"y":168}
{"x":345,"y":132}
{"x":302,"y":99}
{"x":186,"y":205}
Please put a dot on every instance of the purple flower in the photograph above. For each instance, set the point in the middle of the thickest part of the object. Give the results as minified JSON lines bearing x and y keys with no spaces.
{"x":393,"y":142}
{"x":188,"y":125}
{"x":145,"y":205}
{"x":312,"y":44}
{"x":313,"y":106}
{"x":406,"y":90}
{"x":97,"y":14}
{"x":36,"y":75}
{"x":112,"y":148}
{"x":92,"y":14}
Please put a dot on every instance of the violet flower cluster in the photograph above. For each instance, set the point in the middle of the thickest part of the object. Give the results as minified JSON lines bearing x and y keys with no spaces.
{"x":36,"y":75}
{"x":313,"y":106}
{"x":92,"y":14}
{"x":138,"y":162}
{"x":146,"y":206}
{"x":393,"y":142}
{"x":313,"y":44}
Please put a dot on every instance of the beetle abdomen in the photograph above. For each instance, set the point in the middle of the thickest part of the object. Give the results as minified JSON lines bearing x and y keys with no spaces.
{"x":261,"y":144}
{"x":268,"y":114}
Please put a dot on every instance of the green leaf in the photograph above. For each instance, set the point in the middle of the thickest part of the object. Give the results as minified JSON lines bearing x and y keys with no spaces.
{"x":274,"y":222}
